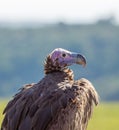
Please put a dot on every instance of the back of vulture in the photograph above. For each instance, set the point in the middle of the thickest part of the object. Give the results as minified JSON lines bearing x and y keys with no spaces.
{"x":49,"y":106}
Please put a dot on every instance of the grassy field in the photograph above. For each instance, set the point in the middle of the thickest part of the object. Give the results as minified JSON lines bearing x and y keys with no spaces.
{"x":2,"y":106}
{"x":105,"y":116}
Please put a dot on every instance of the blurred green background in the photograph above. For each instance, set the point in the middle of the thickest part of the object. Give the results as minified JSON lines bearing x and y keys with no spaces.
{"x":23,"y":50}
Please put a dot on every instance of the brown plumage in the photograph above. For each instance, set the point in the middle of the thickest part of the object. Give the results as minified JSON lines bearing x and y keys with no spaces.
{"x":57,"y":102}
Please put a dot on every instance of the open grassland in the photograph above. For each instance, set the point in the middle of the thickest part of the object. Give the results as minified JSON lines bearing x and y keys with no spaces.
{"x":105,"y":116}
{"x":2,"y":106}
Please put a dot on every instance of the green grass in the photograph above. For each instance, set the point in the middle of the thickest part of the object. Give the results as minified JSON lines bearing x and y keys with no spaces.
{"x":2,"y":106}
{"x":105,"y":116}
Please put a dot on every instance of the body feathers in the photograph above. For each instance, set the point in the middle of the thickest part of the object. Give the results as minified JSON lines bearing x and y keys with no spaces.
{"x":57,"y":104}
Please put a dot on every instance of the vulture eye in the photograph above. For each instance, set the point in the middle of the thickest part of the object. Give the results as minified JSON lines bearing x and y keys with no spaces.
{"x":63,"y":55}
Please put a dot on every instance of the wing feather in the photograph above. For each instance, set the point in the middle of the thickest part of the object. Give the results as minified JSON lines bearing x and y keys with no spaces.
{"x":87,"y":97}
{"x":37,"y":108}
{"x":47,"y":108}
{"x":16,"y":110}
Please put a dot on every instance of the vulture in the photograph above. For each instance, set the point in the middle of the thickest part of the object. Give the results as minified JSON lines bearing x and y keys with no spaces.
{"x":56,"y":102}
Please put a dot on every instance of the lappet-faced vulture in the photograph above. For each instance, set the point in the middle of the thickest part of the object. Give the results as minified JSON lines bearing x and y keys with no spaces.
{"x":57,"y":102}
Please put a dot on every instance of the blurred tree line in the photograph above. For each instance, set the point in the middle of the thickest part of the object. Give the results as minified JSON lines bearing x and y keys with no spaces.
{"x":23,"y":50}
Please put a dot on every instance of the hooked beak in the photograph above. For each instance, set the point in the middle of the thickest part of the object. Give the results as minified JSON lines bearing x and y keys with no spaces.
{"x":79,"y":59}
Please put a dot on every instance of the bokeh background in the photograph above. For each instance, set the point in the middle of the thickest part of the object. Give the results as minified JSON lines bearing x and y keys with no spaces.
{"x":31,"y":29}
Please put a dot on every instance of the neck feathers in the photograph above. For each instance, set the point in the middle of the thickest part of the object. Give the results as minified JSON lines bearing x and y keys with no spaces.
{"x":49,"y":68}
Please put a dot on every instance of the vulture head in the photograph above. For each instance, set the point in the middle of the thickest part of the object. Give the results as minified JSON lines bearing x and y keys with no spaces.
{"x":60,"y":58}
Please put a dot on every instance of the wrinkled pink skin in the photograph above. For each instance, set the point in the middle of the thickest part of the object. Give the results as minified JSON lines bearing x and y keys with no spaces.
{"x":57,"y":55}
{"x":66,"y":58}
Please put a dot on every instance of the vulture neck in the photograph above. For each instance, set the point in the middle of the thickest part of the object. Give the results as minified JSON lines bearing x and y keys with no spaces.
{"x":50,"y":68}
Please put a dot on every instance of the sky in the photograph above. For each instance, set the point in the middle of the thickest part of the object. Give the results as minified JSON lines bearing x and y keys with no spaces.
{"x":72,"y":11}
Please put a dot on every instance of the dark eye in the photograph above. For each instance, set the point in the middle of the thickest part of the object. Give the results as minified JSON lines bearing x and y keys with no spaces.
{"x":63,"y":55}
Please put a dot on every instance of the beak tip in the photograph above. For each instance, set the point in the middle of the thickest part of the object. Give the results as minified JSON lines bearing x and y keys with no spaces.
{"x":84,"y":65}
{"x":81,"y":60}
